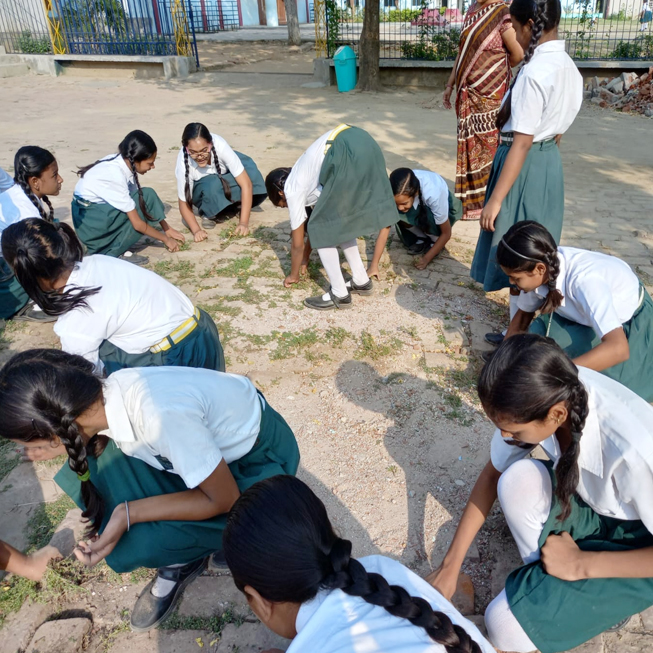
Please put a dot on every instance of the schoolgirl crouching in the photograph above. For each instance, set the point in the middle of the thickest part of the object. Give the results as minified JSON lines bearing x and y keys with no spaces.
{"x":219,"y":181}
{"x":111,"y":212}
{"x":36,"y":177}
{"x":308,"y":587}
{"x":156,"y":458}
{"x":109,"y":311}
{"x":428,"y":210}
{"x":593,"y":305}
{"x":583,"y":522}
{"x":342,"y":183}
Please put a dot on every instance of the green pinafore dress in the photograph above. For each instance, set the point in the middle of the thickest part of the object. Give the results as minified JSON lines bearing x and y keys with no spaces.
{"x":106,"y":230}
{"x":559,"y":615}
{"x":12,"y":295}
{"x":538,"y":194}
{"x":209,"y":196}
{"x":356,"y":196}
{"x":411,"y":217}
{"x":576,"y":339}
{"x":121,"y":478}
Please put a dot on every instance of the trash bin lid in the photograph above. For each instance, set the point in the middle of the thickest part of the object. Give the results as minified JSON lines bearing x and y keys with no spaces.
{"x":343,"y":53}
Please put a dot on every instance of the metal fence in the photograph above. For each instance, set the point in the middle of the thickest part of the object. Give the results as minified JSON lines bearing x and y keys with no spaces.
{"x":99,"y":27}
{"x":431,"y":30}
{"x":216,"y":15}
{"x":23,"y":27}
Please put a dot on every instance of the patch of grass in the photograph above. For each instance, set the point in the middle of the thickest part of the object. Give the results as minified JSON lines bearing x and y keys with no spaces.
{"x":184,"y":269}
{"x":290,"y":344}
{"x":336,"y":336}
{"x":8,"y":458}
{"x":213,"y":309}
{"x":45,"y":520}
{"x":236,"y":268}
{"x":368,"y":347}
{"x":185,"y":246}
{"x":212,"y":624}
{"x":265,"y":234}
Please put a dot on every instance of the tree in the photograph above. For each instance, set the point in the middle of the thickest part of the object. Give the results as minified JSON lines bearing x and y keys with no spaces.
{"x":292,"y":18}
{"x":369,"y":49}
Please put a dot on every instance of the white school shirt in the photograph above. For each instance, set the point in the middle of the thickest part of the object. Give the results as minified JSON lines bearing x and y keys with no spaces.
{"x":183,"y":420}
{"x":16,"y":206}
{"x":616,"y":451}
{"x":229,"y":162}
{"x":435,"y":193}
{"x":334,"y":622}
{"x":599,"y":291}
{"x":6,"y":181}
{"x":303,"y":188}
{"x":134,"y":309}
{"x":109,"y":182}
{"x":547,"y":95}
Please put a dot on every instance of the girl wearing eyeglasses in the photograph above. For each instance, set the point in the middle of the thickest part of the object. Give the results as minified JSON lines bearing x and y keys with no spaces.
{"x":219,"y":181}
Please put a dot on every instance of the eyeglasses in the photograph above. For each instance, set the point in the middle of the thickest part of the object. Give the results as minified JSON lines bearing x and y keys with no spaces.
{"x":194,"y":155}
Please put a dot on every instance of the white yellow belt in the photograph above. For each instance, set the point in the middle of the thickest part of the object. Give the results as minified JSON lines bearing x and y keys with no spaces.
{"x":178,"y":334}
{"x":333,"y":134}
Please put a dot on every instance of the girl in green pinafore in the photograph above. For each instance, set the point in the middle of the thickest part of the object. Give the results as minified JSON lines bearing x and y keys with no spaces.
{"x":337,"y":191}
{"x":111,"y":312}
{"x":593,"y":305}
{"x":428,"y":210}
{"x":219,"y":181}
{"x":111,"y":212}
{"x":526,"y":180}
{"x":36,"y":176}
{"x":582,"y":521}
{"x":156,"y":458}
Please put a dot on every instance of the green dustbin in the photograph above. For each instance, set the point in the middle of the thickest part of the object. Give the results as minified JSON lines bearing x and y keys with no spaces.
{"x":345,"y":62}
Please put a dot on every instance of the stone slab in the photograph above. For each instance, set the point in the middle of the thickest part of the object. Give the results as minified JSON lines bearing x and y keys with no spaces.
{"x":69,"y":532}
{"x":479,"y":329}
{"x":20,"y":626}
{"x":249,"y":638}
{"x":434,"y":359}
{"x":60,"y":635}
{"x":463,"y":597}
{"x":209,"y":596}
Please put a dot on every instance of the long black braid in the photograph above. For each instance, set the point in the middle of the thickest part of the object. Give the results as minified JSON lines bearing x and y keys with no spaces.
{"x":527,"y":376}
{"x":32,"y":161}
{"x":225,"y":183}
{"x":282,"y":517}
{"x":545,"y":15}
{"x":42,"y":393}
{"x":522,"y":247}
{"x":187,"y":193}
{"x":135,"y":147}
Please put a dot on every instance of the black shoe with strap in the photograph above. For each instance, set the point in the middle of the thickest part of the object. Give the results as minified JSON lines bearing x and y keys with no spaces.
{"x":149,"y":610}
{"x":494,"y":338}
{"x":365,"y":289}
{"x":30,"y":313}
{"x":320,"y":304}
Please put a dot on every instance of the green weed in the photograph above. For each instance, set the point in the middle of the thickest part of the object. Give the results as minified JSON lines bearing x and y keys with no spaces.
{"x":290,"y":344}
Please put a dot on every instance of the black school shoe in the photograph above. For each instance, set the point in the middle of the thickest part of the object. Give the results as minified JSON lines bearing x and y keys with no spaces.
{"x":149,"y":610}
{"x":136,"y":259}
{"x":320,"y":304}
{"x":494,"y":338}
{"x":29,"y":313}
{"x":365,"y":289}
{"x":420,"y":247}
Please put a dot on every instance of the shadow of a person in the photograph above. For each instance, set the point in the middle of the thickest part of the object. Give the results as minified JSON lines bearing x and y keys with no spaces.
{"x":439,"y":445}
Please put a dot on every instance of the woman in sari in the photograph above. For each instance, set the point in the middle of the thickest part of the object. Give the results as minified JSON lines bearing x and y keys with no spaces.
{"x":487,"y":51}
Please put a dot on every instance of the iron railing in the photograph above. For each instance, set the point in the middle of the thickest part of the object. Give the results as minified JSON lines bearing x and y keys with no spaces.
{"x":216,"y":15}
{"x":99,"y":27}
{"x":23,"y":28}
{"x":415,"y":29}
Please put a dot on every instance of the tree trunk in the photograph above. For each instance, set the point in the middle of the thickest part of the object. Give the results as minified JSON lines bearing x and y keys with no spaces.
{"x":294,"y":36}
{"x":369,"y":49}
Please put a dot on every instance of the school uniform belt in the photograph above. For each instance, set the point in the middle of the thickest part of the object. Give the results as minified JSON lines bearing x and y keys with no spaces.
{"x":332,"y":136}
{"x":178,"y":334}
{"x":507,"y":138}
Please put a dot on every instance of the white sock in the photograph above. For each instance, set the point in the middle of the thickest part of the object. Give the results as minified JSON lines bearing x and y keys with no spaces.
{"x":331,"y":263}
{"x":513,"y":309}
{"x":503,"y":629}
{"x":162,"y":586}
{"x":358,"y":271}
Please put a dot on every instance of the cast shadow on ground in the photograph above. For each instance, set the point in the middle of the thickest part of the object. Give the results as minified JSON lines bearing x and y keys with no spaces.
{"x":430,"y":446}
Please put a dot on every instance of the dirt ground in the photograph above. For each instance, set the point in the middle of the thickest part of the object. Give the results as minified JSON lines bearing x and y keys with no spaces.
{"x":381,"y":397}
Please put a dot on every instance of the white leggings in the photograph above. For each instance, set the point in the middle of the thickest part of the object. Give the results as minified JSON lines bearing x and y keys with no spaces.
{"x":331,"y":262}
{"x":525,"y":494}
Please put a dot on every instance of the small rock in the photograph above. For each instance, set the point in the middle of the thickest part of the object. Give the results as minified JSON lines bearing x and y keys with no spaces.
{"x":616,"y":85}
{"x":463,"y":597}
{"x":60,"y":635}
{"x":411,"y":493}
{"x":596,"y":100}
{"x":608,"y":96}
{"x":69,"y":532}
{"x":459,"y":482}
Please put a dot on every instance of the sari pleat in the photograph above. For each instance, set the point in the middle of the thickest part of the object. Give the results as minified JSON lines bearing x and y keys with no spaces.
{"x":482,"y":78}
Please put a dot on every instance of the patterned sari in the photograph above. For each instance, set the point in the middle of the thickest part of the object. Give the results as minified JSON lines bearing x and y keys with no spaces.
{"x":482,"y":78}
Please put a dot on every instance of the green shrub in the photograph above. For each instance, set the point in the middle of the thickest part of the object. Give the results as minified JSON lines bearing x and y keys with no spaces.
{"x":29,"y":44}
{"x":627,"y":50}
{"x":400,"y":15}
{"x":441,"y":46}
